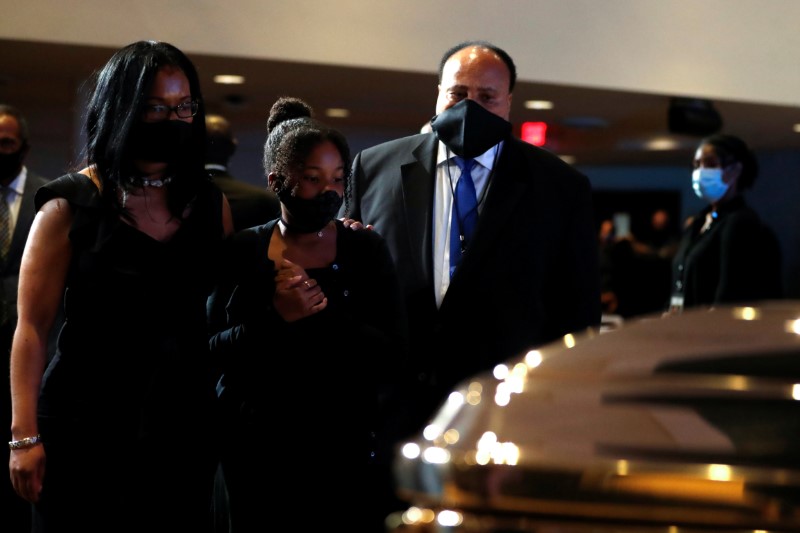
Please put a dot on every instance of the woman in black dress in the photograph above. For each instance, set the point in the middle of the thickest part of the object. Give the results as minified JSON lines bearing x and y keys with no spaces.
{"x":125,"y":437}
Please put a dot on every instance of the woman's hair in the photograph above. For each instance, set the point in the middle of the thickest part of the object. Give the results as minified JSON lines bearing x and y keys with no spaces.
{"x":731,"y":149}
{"x":120,"y":94}
{"x":292,"y":134}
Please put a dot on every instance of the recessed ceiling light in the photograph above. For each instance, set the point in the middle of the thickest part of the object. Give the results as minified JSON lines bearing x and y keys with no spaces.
{"x":538,"y":104}
{"x":337,"y":112}
{"x":229,"y":79}
{"x":796,"y":128}
{"x":662,"y":143}
{"x":568,"y":159}
{"x":653,"y":144}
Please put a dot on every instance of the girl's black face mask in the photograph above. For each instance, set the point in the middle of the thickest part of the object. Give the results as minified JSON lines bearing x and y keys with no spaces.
{"x":309,"y":215}
{"x":468,"y":129}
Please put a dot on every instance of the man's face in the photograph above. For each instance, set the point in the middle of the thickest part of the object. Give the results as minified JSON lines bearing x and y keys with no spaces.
{"x":477,"y":74}
{"x":10,"y":140}
{"x":12,"y":149}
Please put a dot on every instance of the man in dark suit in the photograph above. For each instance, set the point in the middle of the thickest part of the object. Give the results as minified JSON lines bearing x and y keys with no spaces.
{"x":250,"y":205}
{"x":529,"y":272}
{"x":18,"y":186}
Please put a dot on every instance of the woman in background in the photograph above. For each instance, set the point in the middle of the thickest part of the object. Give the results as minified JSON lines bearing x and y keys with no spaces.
{"x":123,"y":436}
{"x":726,"y":254}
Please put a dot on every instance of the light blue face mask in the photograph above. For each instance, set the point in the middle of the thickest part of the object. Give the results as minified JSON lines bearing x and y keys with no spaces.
{"x":708,"y":185}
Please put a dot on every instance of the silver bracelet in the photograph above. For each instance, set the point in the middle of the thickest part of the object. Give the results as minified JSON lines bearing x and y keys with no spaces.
{"x":27,"y":442}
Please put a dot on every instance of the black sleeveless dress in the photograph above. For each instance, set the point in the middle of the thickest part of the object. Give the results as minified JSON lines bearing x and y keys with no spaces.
{"x":126,"y":409}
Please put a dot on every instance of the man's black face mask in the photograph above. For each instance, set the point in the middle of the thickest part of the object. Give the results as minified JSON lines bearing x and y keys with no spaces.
{"x":468,"y":129}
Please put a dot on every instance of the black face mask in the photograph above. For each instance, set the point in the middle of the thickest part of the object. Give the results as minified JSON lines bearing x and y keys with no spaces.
{"x":468,"y":129}
{"x":312,"y":214}
{"x":11,"y":164}
{"x":167,"y":141}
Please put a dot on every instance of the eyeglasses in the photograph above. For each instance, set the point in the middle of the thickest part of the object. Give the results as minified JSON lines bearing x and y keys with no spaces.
{"x":156,"y":112}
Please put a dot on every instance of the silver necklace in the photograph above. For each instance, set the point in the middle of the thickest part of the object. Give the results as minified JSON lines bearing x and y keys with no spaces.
{"x":156,"y":183}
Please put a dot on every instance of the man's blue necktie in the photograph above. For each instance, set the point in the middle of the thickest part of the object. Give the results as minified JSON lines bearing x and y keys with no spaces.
{"x":465,"y":212}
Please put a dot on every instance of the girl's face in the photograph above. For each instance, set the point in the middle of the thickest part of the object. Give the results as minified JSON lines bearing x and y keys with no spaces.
{"x":322,"y":171}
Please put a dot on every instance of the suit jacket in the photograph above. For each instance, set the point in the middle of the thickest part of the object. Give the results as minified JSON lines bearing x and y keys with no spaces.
{"x":10,"y":267}
{"x":529,"y":276}
{"x":737,"y":260}
{"x":250,"y":205}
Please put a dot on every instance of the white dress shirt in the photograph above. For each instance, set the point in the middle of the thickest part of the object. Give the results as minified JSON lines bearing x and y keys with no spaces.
{"x":447,"y":175}
{"x":14,"y":196}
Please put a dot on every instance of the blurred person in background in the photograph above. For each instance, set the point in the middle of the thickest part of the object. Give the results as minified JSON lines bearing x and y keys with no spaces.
{"x":726,"y":253}
{"x":250,"y":205}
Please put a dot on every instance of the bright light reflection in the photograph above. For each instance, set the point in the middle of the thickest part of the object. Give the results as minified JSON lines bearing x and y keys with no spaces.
{"x":473,"y":397}
{"x":796,"y":391}
{"x":622,"y":467}
{"x":455,"y":400}
{"x":449,"y":518}
{"x":410,"y":450}
{"x":435,"y":455}
{"x":412,"y":515}
{"x":487,"y":440}
{"x":793,"y":326}
{"x":451,"y":436}
{"x":482,"y":457}
{"x":516,"y":380}
{"x":490,"y":449}
{"x":520,"y":370}
{"x":432,"y":432}
{"x":415,"y":515}
{"x":672,"y":529}
{"x":746,"y":313}
{"x":533,"y":358}
{"x":719,"y":472}
{"x":503,"y":394}
{"x":500,"y":371}
{"x":569,"y":340}
{"x":510,"y":453}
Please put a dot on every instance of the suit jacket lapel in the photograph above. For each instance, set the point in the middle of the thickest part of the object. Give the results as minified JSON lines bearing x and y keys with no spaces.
{"x":418,"y":178}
